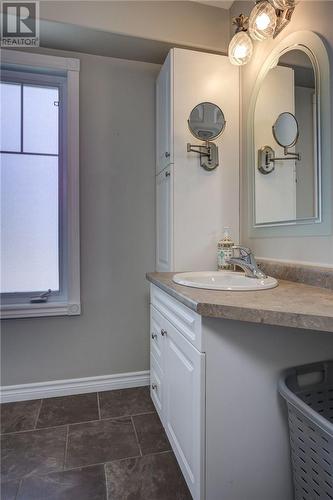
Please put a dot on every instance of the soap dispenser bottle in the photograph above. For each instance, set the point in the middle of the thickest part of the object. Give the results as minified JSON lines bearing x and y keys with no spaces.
{"x":224,"y":251}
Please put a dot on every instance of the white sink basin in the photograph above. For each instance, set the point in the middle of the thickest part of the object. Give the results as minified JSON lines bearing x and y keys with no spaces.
{"x":224,"y":280}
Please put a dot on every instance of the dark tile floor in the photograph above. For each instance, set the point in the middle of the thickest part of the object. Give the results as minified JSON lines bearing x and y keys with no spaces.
{"x":105,"y":446}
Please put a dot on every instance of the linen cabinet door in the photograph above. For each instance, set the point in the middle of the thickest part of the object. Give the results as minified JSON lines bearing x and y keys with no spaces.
{"x":164,"y":132}
{"x":184,"y":410}
{"x":164,"y":220}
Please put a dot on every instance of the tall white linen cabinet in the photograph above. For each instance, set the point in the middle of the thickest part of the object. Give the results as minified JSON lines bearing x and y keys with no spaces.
{"x":192,"y":207}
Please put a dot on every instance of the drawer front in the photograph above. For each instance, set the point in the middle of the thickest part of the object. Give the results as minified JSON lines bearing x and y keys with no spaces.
{"x":156,"y":387}
{"x":157,"y":328}
{"x":186,"y":321}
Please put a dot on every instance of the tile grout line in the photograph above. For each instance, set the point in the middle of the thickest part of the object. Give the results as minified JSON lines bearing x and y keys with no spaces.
{"x":79,"y":467}
{"x":66,"y":448}
{"x":106,"y":482}
{"x":136,"y":436}
{"x":75,"y":423}
{"x":20,"y":481}
{"x":99,"y":406}
{"x":38,"y":414}
{"x":5,"y":434}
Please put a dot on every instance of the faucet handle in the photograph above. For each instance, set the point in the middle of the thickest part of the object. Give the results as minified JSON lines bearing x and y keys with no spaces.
{"x":243,"y":251}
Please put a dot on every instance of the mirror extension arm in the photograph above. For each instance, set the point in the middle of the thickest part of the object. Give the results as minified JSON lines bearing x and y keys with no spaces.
{"x":288,"y":156}
{"x":190,"y":148}
{"x":266,"y":159}
{"x":209,"y":154}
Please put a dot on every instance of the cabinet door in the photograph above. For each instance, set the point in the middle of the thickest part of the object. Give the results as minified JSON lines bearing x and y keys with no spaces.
{"x":164,"y":220}
{"x":184,"y":410}
{"x":164,"y":142}
{"x":156,"y":387}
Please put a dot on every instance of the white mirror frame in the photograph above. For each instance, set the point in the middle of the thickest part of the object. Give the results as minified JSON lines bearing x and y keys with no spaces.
{"x":314,"y":47}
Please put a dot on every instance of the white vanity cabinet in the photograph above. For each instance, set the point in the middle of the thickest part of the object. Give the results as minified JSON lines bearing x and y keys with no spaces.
{"x":187,"y":226}
{"x":178,"y":383}
{"x":214,"y":382}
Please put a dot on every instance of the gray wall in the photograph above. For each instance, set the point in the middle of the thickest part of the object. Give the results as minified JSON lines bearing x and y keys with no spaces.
{"x":179,"y":22}
{"x":117,"y":236}
{"x":309,"y":15}
{"x":117,"y":149}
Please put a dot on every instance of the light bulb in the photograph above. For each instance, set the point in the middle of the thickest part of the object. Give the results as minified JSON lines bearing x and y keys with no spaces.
{"x":240,"y":51}
{"x":240,"y":48}
{"x":262,"y":22}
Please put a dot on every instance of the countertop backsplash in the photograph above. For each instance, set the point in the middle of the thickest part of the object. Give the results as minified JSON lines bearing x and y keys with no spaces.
{"x":299,"y":273}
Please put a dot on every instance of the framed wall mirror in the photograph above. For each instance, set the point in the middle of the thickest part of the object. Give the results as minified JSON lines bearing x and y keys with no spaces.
{"x":289,"y":129}
{"x":286,"y":130}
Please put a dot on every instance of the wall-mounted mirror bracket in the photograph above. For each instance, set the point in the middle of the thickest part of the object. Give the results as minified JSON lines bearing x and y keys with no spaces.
{"x":267,"y":158}
{"x":209,"y":154}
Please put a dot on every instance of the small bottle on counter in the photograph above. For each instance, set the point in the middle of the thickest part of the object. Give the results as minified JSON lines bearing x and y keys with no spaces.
{"x":224,"y":251}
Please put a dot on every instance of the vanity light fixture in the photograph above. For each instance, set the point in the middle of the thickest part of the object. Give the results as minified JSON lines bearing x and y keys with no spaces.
{"x":240,"y":47}
{"x":267,"y":19}
{"x":262,"y":21}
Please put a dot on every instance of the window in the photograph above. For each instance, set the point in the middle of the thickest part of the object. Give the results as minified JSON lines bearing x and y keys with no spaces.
{"x":39,"y":185}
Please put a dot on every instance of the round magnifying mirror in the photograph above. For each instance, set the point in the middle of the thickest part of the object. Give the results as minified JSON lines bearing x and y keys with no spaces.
{"x":285,"y":130}
{"x":206,"y":121}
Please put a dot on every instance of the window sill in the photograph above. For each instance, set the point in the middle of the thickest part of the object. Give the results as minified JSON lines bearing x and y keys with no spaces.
{"x":39,"y":310}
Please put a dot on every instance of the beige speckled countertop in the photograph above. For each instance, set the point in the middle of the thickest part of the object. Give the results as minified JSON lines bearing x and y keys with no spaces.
{"x":290,"y":304}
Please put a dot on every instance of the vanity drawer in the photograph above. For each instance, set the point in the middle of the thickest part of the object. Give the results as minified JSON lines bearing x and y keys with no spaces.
{"x":187,"y":322}
{"x":156,"y":387}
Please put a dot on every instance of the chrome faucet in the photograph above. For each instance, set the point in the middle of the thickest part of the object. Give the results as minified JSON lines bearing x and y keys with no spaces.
{"x":247,"y":262}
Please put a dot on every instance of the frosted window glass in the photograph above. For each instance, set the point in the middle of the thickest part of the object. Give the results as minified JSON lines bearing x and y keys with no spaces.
{"x":40,"y":120}
{"x":10,"y":122}
{"x":29,"y":223}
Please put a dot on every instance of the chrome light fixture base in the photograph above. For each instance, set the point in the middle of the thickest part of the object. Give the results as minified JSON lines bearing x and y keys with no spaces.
{"x":241,"y":22}
{"x":283,"y":19}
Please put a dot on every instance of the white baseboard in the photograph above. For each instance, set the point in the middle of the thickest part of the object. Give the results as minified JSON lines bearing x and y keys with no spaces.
{"x":24,"y":392}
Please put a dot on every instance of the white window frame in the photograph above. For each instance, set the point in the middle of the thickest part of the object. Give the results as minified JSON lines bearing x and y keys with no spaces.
{"x":67,"y":69}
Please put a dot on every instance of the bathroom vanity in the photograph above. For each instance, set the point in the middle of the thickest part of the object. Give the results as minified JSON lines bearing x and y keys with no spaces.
{"x":215,"y":362}
{"x":216,"y":356}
